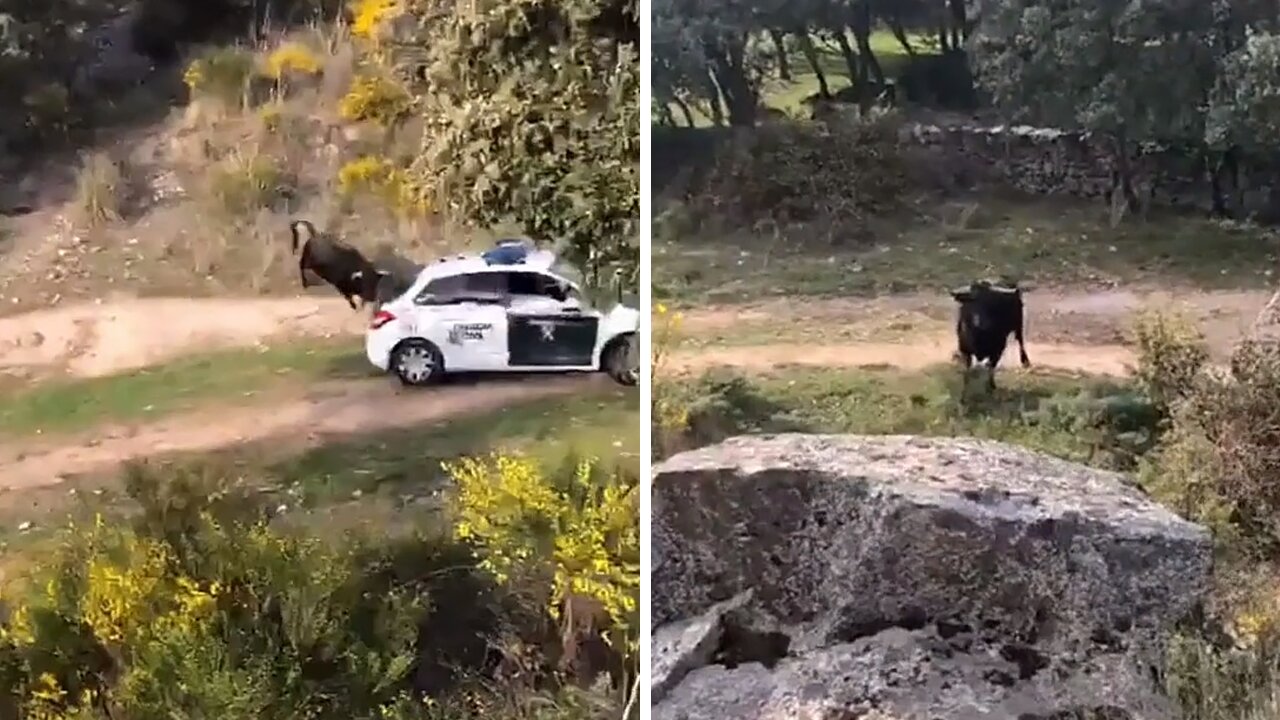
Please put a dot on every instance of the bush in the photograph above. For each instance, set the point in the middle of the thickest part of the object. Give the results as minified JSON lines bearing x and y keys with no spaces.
{"x":1171,"y":355}
{"x":247,"y":182}
{"x":200,"y":605}
{"x":798,"y":171}
{"x":575,"y":533}
{"x":223,"y":74}
{"x":376,"y":99}
{"x":1222,"y":454}
{"x":291,"y":58}
{"x":670,"y":416}
{"x":199,"y":608}
{"x":100,"y":190}
{"x":380,"y":178}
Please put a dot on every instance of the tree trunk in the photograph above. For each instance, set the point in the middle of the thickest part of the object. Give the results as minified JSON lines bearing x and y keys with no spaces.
{"x":862,"y":33}
{"x":1124,"y":171}
{"x":900,"y":34}
{"x":811,"y":54}
{"x":1214,"y":171}
{"x":780,"y":47}
{"x":714,"y":100}
{"x":959,"y":23}
{"x":684,"y":110}
{"x":850,"y":58}
{"x":729,"y":70}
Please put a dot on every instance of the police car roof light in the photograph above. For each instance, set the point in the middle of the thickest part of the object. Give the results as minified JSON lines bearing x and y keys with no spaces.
{"x":506,"y":254}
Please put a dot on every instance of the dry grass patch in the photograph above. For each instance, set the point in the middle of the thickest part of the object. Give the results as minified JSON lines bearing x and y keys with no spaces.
{"x":100,"y":190}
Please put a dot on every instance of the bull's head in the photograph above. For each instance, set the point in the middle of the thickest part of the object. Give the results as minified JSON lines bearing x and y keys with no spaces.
{"x":303,"y":231}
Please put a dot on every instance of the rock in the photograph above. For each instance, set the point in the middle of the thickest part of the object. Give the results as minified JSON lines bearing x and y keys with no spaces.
{"x":686,"y":645}
{"x":978,"y":578}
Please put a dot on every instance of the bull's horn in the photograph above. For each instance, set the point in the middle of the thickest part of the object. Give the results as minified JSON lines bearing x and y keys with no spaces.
{"x":1004,"y":289}
{"x":355,"y":275}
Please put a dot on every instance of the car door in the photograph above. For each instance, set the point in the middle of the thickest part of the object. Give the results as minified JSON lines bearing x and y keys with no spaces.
{"x":546,"y":327}
{"x":467,"y":320}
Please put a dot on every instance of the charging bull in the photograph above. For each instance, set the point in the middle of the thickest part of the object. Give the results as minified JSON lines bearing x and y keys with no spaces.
{"x":337,"y":263}
{"x":988,"y":314}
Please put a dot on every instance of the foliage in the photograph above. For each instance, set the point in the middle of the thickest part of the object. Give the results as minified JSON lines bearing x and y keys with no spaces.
{"x":670,"y":416}
{"x":376,"y":99}
{"x":1224,"y":453}
{"x":579,"y":526}
{"x":100,"y":189}
{"x":1171,"y":353}
{"x":529,"y":115}
{"x":789,"y":172}
{"x":379,"y":177}
{"x":367,"y":16}
{"x":198,"y":607}
{"x":247,"y":181}
{"x":221,"y":74}
{"x":291,"y":58}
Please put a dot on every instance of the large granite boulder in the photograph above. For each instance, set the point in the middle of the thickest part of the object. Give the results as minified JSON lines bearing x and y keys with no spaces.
{"x":920,"y":578}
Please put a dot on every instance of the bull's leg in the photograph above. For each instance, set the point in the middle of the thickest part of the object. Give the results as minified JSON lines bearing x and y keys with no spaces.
{"x":302,"y":271}
{"x":1022,"y":347}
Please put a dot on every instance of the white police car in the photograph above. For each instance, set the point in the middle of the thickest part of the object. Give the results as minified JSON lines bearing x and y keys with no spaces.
{"x":510,"y":309}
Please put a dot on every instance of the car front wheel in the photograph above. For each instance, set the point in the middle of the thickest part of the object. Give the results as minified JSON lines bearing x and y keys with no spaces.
{"x":622,"y":361}
{"x":417,"y":362}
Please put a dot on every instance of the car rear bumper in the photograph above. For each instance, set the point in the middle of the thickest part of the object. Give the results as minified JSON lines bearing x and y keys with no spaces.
{"x":377,"y":347}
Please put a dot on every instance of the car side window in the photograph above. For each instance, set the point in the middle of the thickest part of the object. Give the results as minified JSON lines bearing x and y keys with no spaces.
{"x":441,"y":287}
{"x":536,"y":284}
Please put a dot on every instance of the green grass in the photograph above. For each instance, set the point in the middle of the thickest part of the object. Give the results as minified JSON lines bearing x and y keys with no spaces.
{"x":1054,"y":414}
{"x":227,"y":376}
{"x":1046,"y":241}
{"x":391,"y":479}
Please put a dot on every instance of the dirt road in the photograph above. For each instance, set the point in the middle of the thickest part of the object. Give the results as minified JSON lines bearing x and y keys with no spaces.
{"x":1067,"y":331}
{"x":96,"y":340}
{"x":343,"y":409}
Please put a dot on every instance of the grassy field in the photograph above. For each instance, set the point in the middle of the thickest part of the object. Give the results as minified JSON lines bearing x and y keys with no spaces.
{"x":197,"y":381}
{"x":1053,"y":414}
{"x":383,"y":479}
{"x":1048,"y":241}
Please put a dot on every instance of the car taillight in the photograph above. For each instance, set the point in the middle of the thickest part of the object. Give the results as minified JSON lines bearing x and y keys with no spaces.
{"x":380,"y":318}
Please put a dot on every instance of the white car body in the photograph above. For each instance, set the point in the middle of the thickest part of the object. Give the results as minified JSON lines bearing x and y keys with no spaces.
{"x":495,"y":316}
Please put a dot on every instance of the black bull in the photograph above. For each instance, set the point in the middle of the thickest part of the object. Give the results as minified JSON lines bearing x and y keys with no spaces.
{"x":987,"y":315}
{"x":337,"y":263}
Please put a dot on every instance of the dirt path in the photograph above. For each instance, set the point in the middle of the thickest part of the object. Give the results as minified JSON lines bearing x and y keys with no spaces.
{"x":341,"y":409}
{"x":91,"y":340}
{"x":1066,"y":331}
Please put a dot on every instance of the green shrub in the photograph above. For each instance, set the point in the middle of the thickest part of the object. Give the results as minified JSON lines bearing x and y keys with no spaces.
{"x":1171,"y":354}
{"x":798,"y":171}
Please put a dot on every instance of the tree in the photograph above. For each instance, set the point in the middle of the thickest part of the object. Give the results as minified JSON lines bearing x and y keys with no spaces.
{"x":709,"y":53}
{"x":530,"y":114}
{"x":1101,"y":67}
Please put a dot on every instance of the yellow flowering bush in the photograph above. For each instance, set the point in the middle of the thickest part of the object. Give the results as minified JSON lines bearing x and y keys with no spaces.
{"x":581,"y":528}
{"x":379,"y":177}
{"x":376,"y":99}
{"x":291,"y":59}
{"x":367,"y":16}
{"x":670,"y":416}
{"x":223,"y":74}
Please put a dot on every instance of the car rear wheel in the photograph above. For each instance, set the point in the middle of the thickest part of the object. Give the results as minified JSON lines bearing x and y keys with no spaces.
{"x":417,"y":362}
{"x":622,"y":360}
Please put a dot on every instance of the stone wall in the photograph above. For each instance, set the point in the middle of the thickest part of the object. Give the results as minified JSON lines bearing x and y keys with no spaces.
{"x":1046,"y":161}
